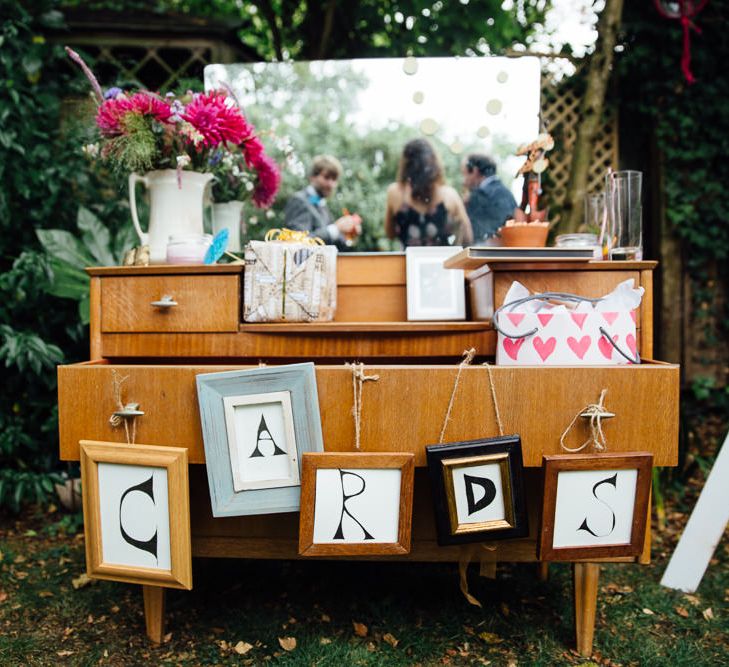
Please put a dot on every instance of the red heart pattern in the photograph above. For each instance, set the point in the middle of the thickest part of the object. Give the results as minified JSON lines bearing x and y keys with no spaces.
{"x":544,"y":318}
{"x":579,"y":347}
{"x":634,"y":315}
{"x":630,"y":342}
{"x":516,"y":318}
{"x":512,"y":346}
{"x":579,"y":318}
{"x":605,"y":347}
{"x":544,"y":348}
{"x":610,"y":317}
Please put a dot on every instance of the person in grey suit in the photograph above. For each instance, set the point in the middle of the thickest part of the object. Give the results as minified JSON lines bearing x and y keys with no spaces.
{"x":490,"y":203}
{"x":307,"y":210}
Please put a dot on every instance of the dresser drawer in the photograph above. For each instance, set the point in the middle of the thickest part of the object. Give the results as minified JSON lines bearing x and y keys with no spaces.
{"x":403,"y":411}
{"x":170,"y":303}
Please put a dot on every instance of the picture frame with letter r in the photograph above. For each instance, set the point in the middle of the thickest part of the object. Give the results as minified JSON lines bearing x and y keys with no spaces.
{"x":595,"y":505}
{"x":356,"y":504}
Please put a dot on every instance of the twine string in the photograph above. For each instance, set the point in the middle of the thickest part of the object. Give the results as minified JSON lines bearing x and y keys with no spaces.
{"x":493,"y":397}
{"x":467,"y":554}
{"x":468,"y":356}
{"x":358,"y":380}
{"x":116,"y":420}
{"x":596,"y":412}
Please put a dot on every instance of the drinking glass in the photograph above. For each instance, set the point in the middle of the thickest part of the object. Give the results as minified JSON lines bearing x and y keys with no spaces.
{"x":594,"y":212}
{"x":624,"y":214}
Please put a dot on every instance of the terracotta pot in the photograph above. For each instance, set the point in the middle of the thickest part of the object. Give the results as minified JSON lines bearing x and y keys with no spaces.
{"x":524,"y":236}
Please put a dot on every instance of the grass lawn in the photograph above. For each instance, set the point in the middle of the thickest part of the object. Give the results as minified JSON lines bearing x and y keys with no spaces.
{"x":348,"y":613}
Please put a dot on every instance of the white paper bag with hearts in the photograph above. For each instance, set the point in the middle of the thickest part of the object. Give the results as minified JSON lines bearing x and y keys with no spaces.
{"x":557,"y":329}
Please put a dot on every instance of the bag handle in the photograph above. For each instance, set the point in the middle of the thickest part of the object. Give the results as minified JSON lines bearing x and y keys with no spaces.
{"x":561,"y":296}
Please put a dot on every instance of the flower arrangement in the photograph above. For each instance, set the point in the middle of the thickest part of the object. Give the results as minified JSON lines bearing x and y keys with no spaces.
{"x":205,"y":132}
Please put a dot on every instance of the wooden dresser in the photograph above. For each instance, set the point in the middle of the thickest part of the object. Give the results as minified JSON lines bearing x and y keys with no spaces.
{"x":160,"y":347}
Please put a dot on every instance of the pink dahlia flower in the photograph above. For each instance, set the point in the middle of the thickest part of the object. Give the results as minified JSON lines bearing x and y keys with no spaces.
{"x":253,"y":150}
{"x":215,"y":120}
{"x":269,"y":178}
{"x":111,"y":111}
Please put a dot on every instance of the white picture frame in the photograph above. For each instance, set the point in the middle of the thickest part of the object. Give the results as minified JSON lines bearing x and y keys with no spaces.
{"x":262,"y":455}
{"x":434,"y":292}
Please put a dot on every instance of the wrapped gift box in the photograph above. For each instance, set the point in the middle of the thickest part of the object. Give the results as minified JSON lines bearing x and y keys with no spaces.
{"x":289,"y":281}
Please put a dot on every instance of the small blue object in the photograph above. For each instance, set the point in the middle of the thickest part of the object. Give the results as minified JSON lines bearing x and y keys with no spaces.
{"x":217,"y":247}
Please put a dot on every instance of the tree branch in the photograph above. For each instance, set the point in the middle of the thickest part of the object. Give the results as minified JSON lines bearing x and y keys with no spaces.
{"x":598,"y":75}
{"x":327,"y":30}
{"x":269,"y":14}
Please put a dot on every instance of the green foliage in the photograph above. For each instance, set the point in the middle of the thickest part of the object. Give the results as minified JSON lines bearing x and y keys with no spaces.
{"x":67,"y":254}
{"x":690,"y":126}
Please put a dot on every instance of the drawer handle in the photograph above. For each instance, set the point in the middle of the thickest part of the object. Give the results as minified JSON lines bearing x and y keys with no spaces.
{"x":165,"y":302}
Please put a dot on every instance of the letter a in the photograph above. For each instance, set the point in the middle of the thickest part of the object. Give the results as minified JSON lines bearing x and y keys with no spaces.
{"x":150,"y":545}
{"x":264,"y":434}
{"x":489,"y":492}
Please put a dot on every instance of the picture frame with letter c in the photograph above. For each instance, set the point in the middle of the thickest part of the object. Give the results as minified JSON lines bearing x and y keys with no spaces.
{"x":136,"y":513}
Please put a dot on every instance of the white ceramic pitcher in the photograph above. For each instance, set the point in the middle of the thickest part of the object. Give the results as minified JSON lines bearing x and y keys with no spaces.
{"x":173,"y":210}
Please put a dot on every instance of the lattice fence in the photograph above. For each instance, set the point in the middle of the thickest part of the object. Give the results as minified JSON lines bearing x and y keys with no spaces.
{"x":561,"y":115}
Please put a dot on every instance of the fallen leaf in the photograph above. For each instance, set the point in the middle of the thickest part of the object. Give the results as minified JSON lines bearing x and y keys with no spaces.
{"x":287,"y":643}
{"x":63,"y":654}
{"x":20,"y":559}
{"x":324,"y":641}
{"x":241,"y":648}
{"x":21,"y":575}
{"x":371,"y":647}
{"x":89,"y":619}
{"x":504,"y":609}
{"x":167,"y":638}
{"x":391,"y":640}
{"x":81,"y":581}
{"x":360,"y":629}
{"x":693,"y":599}
{"x":708,"y":613}
{"x":3,"y":596}
{"x":115,"y":610}
{"x":292,"y":620}
{"x":490,"y":637}
{"x":681,"y":611}
{"x":30,"y":533}
{"x":325,"y":618}
{"x":649,"y":612}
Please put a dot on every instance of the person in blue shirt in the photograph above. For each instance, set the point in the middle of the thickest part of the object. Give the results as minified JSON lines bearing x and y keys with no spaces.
{"x":490,"y":203}
{"x":307,"y":209}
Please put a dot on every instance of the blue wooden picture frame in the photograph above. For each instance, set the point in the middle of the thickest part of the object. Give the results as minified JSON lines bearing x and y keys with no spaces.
{"x":299,"y":380}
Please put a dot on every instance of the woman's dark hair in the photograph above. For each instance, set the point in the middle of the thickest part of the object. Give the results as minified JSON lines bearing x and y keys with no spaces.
{"x":483,"y":163}
{"x":420,"y":168}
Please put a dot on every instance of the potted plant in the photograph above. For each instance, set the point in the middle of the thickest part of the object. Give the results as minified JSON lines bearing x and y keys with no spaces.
{"x":166,"y":142}
{"x":241,"y":173}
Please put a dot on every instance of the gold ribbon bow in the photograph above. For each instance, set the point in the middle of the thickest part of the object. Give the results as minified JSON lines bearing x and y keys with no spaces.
{"x":292,"y":236}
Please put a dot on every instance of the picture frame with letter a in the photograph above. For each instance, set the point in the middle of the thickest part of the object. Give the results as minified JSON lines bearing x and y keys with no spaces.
{"x":356,"y":504}
{"x":595,"y":505}
{"x":478,"y":490}
{"x":256,"y":424}
{"x":136,"y":513}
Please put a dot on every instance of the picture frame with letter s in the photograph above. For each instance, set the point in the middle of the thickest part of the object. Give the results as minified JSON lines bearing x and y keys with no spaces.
{"x":256,"y":424}
{"x":356,"y":504}
{"x":136,"y":513}
{"x":478,"y":490}
{"x":595,"y":505}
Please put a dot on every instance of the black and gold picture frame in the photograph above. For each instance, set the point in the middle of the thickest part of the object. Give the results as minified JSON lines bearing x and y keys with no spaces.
{"x":478,"y":490}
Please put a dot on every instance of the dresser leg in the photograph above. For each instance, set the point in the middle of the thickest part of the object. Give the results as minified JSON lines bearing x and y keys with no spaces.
{"x":585,"y":584}
{"x":543,"y":571}
{"x":154,"y":612}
